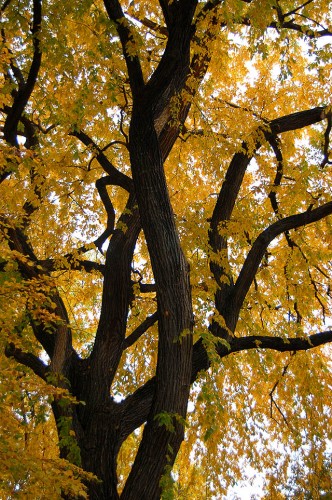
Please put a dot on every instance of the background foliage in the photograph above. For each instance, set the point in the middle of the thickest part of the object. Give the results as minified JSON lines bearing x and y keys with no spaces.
{"x":256,"y":410}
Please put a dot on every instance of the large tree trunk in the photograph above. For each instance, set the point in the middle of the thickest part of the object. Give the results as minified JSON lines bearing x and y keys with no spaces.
{"x":171,"y":273}
{"x":98,"y":438}
{"x":99,"y":455}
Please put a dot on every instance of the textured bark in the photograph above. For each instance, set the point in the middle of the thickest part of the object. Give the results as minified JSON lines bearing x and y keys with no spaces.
{"x":100,"y":424}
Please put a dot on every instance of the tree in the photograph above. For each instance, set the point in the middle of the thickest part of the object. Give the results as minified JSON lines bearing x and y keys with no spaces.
{"x":165,"y":203}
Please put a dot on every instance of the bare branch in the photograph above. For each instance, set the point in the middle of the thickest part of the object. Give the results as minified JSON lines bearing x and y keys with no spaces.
{"x":271,"y":394}
{"x":274,"y":403}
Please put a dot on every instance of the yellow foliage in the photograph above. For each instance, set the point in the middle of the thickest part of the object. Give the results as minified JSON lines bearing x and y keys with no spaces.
{"x":253,"y":409}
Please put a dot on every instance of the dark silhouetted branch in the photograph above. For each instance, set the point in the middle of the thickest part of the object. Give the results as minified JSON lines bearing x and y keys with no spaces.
{"x":281,"y":344}
{"x":116,"y":177}
{"x":27,"y":359}
{"x":24,"y":92}
{"x":260,"y":245}
{"x":140,"y":330}
{"x":126,"y":33}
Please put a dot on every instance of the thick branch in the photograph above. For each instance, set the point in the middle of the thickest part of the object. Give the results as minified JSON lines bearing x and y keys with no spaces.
{"x":140,"y":330}
{"x":259,"y":247}
{"x":27,"y":359}
{"x":304,"y":30}
{"x":146,"y":287}
{"x":281,"y":344}
{"x":275,"y":144}
{"x":137,"y":405}
{"x":116,"y":298}
{"x":104,"y":196}
{"x":168,"y":130}
{"x":299,"y":120}
{"x":70,"y":261}
{"x":116,"y":177}
{"x":239,"y":163}
{"x":126,"y":34}
{"x":23,"y":94}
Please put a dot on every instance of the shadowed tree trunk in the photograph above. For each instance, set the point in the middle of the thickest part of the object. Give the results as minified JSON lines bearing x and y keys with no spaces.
{"x":158,"y":105}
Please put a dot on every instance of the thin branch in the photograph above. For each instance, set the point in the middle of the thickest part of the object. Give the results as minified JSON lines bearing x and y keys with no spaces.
{"x":140,"y":330}
{"x":243,"y":108}
{"x":281,"y":23}
{"x":312,"y":21}
{"x":275,"y":144}
{"x":294,"y":11}
{"x":15,"y":69}
{"x":141,"y":400}
{"x":122,"y":113}
{"x":42,"y":129}
{"x":115,"y":143}
{"x":271,"y":394}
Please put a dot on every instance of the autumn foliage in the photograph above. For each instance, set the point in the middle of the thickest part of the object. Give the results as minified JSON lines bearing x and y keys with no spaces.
{"x":165,"y":237}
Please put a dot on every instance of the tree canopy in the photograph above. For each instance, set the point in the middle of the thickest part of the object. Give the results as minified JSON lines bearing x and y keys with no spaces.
{"x":165,"y":267}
